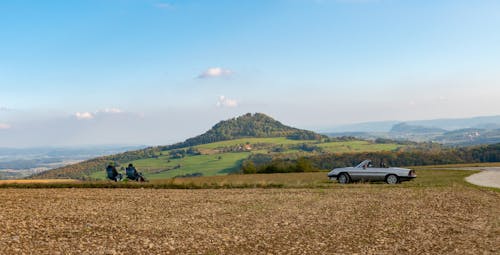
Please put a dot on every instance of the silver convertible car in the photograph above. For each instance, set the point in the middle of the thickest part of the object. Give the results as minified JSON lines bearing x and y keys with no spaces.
{"x":366,"y":172}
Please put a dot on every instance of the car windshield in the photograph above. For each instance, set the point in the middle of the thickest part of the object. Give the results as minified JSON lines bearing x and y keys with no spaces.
{"x":364,"y":164}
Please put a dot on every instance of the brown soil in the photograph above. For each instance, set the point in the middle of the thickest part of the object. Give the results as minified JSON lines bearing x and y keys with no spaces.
{"x":454,"y":220}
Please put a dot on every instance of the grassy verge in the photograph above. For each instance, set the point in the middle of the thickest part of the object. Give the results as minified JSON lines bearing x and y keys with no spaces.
{"x":426,"y":178}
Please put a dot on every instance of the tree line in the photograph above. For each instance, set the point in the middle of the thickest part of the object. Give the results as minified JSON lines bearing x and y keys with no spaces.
{"x":272,"y":163}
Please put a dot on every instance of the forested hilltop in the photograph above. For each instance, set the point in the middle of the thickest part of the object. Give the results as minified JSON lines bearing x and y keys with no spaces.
{"x":256,"y":125}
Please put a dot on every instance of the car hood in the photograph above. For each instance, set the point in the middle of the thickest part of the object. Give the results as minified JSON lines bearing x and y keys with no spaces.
{"x":338,"y":170}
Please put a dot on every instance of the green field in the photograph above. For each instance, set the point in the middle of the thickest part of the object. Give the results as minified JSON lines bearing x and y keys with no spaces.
{"x":208,"y":165}
{"x":357,"y":146}
{"x":216,"y":160}
{"x":271,"y":141}
{"x":337,"y":147}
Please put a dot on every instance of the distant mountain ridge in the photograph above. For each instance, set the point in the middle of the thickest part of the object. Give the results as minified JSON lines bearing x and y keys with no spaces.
{"x":483,"y":122}
{"x":406,"y":128}
{"x":460,"y":123}
{"x":465,"y":131}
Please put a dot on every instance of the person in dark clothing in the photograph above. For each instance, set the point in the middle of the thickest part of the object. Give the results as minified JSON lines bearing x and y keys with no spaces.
{"x":132,"y":173}
{"x":112,"y":173}
{"x":382,"y":164}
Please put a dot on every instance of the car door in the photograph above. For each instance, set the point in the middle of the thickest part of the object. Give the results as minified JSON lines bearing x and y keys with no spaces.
{"x":357,"y":173}
{"x":369,"y":174}
{"x":377,"y":173}
{"x":366,"y":174}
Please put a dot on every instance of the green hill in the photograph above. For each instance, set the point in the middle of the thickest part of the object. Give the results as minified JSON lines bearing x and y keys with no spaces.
{"x":220,"y":150}
{"x":256,"y":125}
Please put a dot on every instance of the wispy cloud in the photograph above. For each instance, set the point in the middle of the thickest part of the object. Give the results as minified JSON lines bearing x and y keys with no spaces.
{"x":110,"y":110}
{"x":92,"y":115}
{"x":84,"y":115}
{"x":213,"y":72}
{"x":4,"y":126}
{"x":226,"y":102}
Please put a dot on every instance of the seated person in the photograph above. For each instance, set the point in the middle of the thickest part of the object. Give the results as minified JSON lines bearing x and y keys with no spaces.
{"x":112,"y":173}
{"x":367,"y":165}
{"x":132,"y":173}
{"x":382,"y":164}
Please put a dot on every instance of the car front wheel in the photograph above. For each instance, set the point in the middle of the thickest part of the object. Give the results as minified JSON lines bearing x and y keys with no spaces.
{"x":343,"y":178}
{"x":391,"y":179}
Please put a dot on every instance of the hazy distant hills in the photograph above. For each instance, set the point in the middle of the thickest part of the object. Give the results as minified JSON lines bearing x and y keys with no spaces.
{"x":406,"y":128}
{"x":21,"y":162}
{"x":469,"y":136}
{"x":171,"y":158}
{"x":454,"y":124}
{"x":466,"y":131}
{"x":484,"y":122}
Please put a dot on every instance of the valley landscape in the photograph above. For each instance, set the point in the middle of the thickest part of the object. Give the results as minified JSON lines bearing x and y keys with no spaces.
{"x":201,"y":198}
{"x":257,"y":143}
{"x":450,"y":132}
{"x":17,"y":163}
{"x":249,"y":127}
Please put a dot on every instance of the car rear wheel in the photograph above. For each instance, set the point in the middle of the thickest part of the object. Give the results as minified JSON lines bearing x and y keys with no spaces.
{"x":343,"y":178}
{"x":391,"y":179}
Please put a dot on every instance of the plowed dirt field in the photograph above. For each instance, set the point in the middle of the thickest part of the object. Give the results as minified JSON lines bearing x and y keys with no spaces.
{"x":450,"y":220}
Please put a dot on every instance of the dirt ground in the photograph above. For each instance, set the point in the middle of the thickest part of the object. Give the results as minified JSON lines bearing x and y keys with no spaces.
{"x":452,"y":220}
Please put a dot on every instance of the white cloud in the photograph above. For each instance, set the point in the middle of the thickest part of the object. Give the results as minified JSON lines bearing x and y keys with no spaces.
{"x":226,"y":102}
{"x":91,"y":115}
{"x":84,"y":115}
{"x":215,"y":72}
{"x":111,"y":110}
{"x":4,"y":126}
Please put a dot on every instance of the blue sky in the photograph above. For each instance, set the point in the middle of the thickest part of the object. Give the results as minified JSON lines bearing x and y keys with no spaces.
{"x":174,"y":68}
